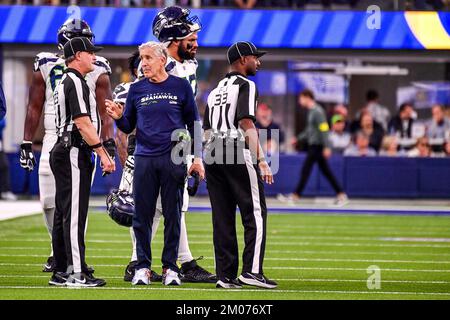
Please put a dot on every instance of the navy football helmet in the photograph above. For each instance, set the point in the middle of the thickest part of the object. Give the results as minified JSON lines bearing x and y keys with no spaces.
{"x":120,"y":207}
{"x":174,"y":23}
{"x":74,"y":28}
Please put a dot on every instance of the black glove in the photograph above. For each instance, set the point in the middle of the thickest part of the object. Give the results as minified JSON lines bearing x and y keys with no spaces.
{"x":192,"y":189}
{"x":27,"y":159}
{"x":131,"y":144}
{"x":110,"y":146}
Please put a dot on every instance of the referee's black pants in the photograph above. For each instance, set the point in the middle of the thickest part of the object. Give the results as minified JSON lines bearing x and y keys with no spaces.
{"x":73,"y":168}
{"x":315,"y":154}
{"x":230,"y":185}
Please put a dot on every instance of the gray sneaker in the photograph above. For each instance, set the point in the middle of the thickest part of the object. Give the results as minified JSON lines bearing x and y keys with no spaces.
{"x":81,"y":279}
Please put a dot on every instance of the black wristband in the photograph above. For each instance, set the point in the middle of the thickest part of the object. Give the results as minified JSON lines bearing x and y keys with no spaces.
{"x":98,"y":145}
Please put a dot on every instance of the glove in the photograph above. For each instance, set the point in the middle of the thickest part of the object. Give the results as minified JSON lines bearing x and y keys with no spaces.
{"x":131,"y":144}
{"x":110,"y":146}
{"x":192,"y":189}
{"x":27,"y":159}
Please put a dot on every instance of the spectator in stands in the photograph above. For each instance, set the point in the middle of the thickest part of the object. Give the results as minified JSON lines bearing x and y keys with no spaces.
{"x":372,"y":129}
{"x":447,"y":148}
{"x":2,"y":103}
{"x":361,"y":147}
{"x":438,"y":129}
{"x":339,"y":138}
{"x":5,"y":185}
{"x":439,"y":125}
{"x":422,"y":148}
{"x":245,"y":4}
{"x":379,"y":113}
{"x":326,"y":4}
{"x":401,"y":123}
{"x":264,"y":120}
{"x":390,"y":147}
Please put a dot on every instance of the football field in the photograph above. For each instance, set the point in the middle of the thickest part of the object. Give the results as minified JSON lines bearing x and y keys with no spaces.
{"x":310,"y":255}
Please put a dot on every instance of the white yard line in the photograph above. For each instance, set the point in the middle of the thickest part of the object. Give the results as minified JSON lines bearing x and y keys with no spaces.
{"x":271,"y":253}
{"x":276,"y":279}
{"x":270,"y":243}
{"x":266,"y":259}
{"x":272,"y":268}
{"x":150,"y":288}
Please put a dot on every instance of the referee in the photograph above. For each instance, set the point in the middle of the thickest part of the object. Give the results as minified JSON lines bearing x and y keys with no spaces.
{"x":72,"y":162}
{"x":235,"y":169}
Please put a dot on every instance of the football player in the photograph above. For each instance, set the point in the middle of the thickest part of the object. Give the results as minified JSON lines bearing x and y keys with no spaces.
{"x":174,"y":27}
{"x":47,"y":73}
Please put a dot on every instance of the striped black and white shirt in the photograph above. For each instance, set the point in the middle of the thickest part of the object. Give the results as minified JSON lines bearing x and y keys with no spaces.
{"x":234,"y":98}
{"x":74,"y":99}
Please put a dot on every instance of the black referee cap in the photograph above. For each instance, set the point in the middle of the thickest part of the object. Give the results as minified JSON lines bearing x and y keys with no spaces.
{"x":78,"y":44}
{"x":241,"y":49}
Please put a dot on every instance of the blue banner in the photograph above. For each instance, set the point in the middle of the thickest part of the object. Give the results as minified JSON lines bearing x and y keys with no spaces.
{"x":222,"y":27}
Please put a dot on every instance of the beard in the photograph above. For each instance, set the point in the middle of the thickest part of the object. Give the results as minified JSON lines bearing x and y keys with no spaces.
{"x":185,"y":54}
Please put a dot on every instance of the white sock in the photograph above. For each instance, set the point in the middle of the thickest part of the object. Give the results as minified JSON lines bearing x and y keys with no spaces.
{"x":49,"y":214}
{"x":133,"y":242}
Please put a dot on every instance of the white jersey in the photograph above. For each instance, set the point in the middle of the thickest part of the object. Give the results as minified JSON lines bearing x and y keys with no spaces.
{"x":186,"y":69}
{"x":120,"y":92}
{"x":52,"y":68}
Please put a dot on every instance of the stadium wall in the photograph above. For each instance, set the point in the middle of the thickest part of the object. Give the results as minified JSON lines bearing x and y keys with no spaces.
{"x":377,"y":177}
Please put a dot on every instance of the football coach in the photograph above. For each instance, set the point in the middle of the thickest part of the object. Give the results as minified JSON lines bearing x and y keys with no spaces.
{"x":157,"y":106}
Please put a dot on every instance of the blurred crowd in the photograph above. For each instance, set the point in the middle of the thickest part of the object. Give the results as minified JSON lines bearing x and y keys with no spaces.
{"x":249,"y":4}
{"x":374,"y":131}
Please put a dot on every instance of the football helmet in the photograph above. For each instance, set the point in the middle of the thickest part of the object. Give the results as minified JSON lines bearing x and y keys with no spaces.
{"x":74,"y":28}
{"x":120,"y":207}
{"x":174,"y":23}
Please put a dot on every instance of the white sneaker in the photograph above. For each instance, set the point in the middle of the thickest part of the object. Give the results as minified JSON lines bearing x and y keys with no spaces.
{"x":341,"y":200}
{"x":8,"y":196}
{"x":288,"y":199}
{"x":141,"y":277}
{"x":170,"y":278}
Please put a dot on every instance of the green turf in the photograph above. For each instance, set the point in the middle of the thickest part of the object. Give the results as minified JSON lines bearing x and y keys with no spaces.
{"x":312,"y":256}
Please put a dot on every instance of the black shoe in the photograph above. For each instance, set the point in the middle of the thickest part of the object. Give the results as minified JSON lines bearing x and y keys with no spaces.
{"x":49,"y":265}
{"x":227,"y":283}
{"x":129,"y":271}
{"x":90,"y":270}
{"x":258,"y":280}
{"x":58,"y":279}
{"x":154,"y":277}
{"x":192,"y":272}
{"x":84,"y":280}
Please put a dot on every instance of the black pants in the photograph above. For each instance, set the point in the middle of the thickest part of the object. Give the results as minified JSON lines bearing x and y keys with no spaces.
{"x":73,"y":170}
{"x":315,"y":154}
{"x":230,"y":185}
{"x":4,"y":173}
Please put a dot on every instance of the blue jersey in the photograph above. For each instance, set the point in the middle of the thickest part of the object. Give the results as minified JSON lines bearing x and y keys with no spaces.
{"x":156,"y":110}
{"x":2,"y":103}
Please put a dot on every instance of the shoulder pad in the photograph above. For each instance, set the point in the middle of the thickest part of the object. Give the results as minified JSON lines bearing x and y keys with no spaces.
{"x":170,"y":66}
{"x":103,"y":63}
{"x":120,"y":92}
{"x":43,"y":58}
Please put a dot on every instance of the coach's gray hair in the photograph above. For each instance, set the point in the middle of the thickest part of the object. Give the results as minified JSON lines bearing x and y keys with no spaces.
{"x":159,"y":48}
